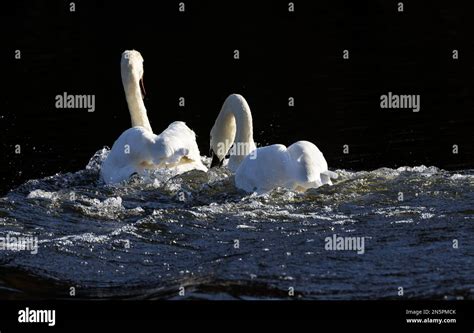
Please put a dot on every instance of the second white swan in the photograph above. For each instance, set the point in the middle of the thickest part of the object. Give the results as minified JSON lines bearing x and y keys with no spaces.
{"x":138,"y":149}
{"x":299,"y":167}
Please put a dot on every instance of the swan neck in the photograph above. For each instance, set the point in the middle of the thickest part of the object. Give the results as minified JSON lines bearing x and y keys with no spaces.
{"x":243,"y":122}
{"x":243,"y":143}
{"x":136,"y":106}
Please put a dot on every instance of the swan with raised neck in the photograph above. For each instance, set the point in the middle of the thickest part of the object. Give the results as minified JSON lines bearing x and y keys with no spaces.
{"x":137,"y":149}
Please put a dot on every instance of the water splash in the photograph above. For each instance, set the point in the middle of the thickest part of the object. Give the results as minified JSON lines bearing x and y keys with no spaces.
{"x":149,"y":235}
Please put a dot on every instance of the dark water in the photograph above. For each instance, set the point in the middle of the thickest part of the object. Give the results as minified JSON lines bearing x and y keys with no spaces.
{"x":337,"y":102}
{"x":149,"y":237}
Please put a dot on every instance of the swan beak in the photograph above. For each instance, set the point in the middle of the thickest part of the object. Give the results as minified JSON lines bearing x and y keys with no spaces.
{"x":215,"y":160}
{"x":142,"y":86}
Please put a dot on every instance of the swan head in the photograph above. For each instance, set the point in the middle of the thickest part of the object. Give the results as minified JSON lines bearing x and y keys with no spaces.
{"x":132,"y":68}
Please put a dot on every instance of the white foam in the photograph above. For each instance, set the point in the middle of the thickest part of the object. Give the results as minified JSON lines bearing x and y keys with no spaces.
{"x":40,"y":194}
{"x":95,"y":161}
{"x":457,"y":176}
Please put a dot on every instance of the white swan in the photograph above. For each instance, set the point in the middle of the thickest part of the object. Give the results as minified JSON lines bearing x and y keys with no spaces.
{"x":138,"y":149}
{"x":299,"y":167}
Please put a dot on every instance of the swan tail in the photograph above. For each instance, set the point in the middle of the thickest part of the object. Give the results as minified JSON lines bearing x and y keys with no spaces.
{"x":325,"y":180}
{"x":329,"y":174}
{"x":326,"y":177}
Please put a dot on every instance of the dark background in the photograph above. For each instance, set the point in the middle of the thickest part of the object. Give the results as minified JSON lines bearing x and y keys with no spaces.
{"x":282,"y":54}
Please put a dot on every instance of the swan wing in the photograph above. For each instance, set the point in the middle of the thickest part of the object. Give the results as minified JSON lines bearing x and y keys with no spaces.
{"x":179,"y":148}
{"x":129,"y":154}
{"x":266,"y":168}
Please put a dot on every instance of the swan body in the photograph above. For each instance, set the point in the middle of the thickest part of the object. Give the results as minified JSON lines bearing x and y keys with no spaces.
{"x":138,"y":148}
{"x":299,"y":167}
